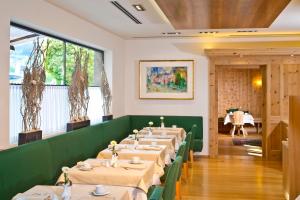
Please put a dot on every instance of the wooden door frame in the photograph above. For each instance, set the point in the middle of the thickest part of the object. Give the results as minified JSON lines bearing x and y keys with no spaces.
{"x":277,"y":57}
{"x":213,"y":99}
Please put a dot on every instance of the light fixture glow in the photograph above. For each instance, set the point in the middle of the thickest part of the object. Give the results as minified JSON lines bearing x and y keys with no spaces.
{"x":257,"y":81}
{"x":138,"y":7}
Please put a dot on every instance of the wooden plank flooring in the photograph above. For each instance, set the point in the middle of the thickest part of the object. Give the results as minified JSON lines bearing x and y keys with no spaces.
{"x":234,"y":178}
{"x":226,"y":147}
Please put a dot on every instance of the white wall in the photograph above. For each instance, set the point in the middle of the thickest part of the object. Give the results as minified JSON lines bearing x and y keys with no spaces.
{"x":43,"y":16}
{"x":164,"y":49}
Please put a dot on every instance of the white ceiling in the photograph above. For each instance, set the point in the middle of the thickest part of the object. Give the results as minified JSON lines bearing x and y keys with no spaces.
{"x":105,"y":15}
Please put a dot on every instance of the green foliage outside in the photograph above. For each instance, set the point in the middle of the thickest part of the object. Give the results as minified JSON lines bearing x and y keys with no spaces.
{"x":54,"y":62}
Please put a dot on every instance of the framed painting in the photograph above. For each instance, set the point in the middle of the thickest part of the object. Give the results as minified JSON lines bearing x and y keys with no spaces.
{"x":166,"y":79}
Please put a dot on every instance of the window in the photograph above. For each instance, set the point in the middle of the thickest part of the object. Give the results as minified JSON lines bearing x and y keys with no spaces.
{"x":59,"y":66}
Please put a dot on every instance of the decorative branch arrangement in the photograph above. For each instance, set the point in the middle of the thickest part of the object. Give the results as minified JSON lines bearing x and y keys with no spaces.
{"x":78,"y":90}
{"x":32,"y":87}
{"x":106,"y":94}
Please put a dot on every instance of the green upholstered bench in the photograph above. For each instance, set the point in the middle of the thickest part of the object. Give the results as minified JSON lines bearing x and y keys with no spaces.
{"x":40,"y":162}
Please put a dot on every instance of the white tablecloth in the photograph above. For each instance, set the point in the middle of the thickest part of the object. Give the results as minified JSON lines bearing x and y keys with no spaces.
{"x":248,"y":119}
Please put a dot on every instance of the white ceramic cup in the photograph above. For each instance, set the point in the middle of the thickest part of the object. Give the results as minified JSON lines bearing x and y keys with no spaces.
{"x":135,"y":159}
{"x":100,"y":189}
{"x":174,"y":126}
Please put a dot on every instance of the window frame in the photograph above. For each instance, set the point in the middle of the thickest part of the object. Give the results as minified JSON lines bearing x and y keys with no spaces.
{"x":65,"y":41}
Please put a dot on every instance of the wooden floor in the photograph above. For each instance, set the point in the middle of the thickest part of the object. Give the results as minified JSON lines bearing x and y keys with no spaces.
{"x":226,"y":146}
{"x":234,"y":177}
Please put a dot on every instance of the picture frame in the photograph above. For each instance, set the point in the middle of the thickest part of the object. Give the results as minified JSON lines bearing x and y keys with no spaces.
{"x":166,"y":79}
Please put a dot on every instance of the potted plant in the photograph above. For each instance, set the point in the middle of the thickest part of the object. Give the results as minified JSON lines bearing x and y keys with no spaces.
{"x":33,"y":86}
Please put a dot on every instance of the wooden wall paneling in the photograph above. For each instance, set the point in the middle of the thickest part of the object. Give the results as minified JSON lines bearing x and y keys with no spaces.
{"x":255,"y":99}
{"x":213,"y":111}
{"x":284,"y":96}
{"x":294,"y":147}
{"x":275,"y":90}
{"x":274,"y":132}
{"x":264,"y":69}
{"x":236,"y":90}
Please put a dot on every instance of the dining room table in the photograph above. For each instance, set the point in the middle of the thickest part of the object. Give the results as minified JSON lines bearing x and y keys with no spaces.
{"x":169,"y":141}
{"x":247,"y":118}
{"x":179,"y":133}
{"x":78,"y":192}
{"x":156,"y":153}
{"x":126,"y":174}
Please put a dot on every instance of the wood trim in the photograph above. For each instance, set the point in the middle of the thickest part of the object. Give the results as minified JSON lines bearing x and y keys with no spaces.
{"x":293,"y":147}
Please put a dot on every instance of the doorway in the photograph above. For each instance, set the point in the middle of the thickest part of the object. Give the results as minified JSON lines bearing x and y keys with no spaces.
{"x":218,"y":62}
{"x":239,"y":88}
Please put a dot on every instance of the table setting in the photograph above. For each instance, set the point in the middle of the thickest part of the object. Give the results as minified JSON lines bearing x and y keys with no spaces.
{"x":78,"y":192}
{"x":157,"y":153}
{"x":138,"y":175}
{"x":169,"y":142}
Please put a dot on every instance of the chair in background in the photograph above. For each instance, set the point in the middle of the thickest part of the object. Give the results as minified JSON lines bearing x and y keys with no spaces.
{"x":180,"y":152}
{"x":186,"y":154}
{"x":191,"y":151}
{"x":238,"y":123}
{"x":156,"y":193}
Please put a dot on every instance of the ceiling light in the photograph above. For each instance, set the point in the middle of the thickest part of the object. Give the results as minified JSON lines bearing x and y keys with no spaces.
{"x":247,"y":31}
{"x":292,"y":55}
{"x":209,"y":32}
{"x":138,"y":7}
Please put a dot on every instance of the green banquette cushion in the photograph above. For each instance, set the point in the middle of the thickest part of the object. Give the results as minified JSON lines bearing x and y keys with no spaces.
{"x":24,"y":167}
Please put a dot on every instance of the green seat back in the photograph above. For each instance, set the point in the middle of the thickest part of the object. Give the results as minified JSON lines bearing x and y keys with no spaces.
{"x":181,"y":152}
{"x":188,"y":144}
{"x":170,"y":183}
{"x":156,"y":193}
{"x":193,"y":130}
{"x":24,"y":167}
{"x":181,"y":149}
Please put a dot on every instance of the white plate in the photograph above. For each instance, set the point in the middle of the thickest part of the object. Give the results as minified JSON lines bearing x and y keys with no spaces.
{"x":100,"y":194}
{"x":136,"y":163}
{"x":85,"y":168}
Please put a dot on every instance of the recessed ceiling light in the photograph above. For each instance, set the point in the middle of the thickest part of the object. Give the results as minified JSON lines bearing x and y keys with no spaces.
{"x":138,"y":7}
{"x":209,"y":32}
{"x":292,"y":55}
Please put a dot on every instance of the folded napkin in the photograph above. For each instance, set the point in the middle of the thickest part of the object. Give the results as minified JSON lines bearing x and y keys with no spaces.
{"x":84,"y":165}
{"x":151,"y":148}
{"x":132,"y":166}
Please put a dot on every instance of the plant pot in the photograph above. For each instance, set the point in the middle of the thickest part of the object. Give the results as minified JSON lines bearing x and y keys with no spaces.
{"x":107,"y":118}
{"x":30,"y":136}
{"x":77,"y":125}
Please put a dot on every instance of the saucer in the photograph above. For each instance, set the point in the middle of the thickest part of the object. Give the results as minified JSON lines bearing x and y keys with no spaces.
{"x":100,"y":194}
{"x":85,"y":168}
{"x":136,"y":163}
